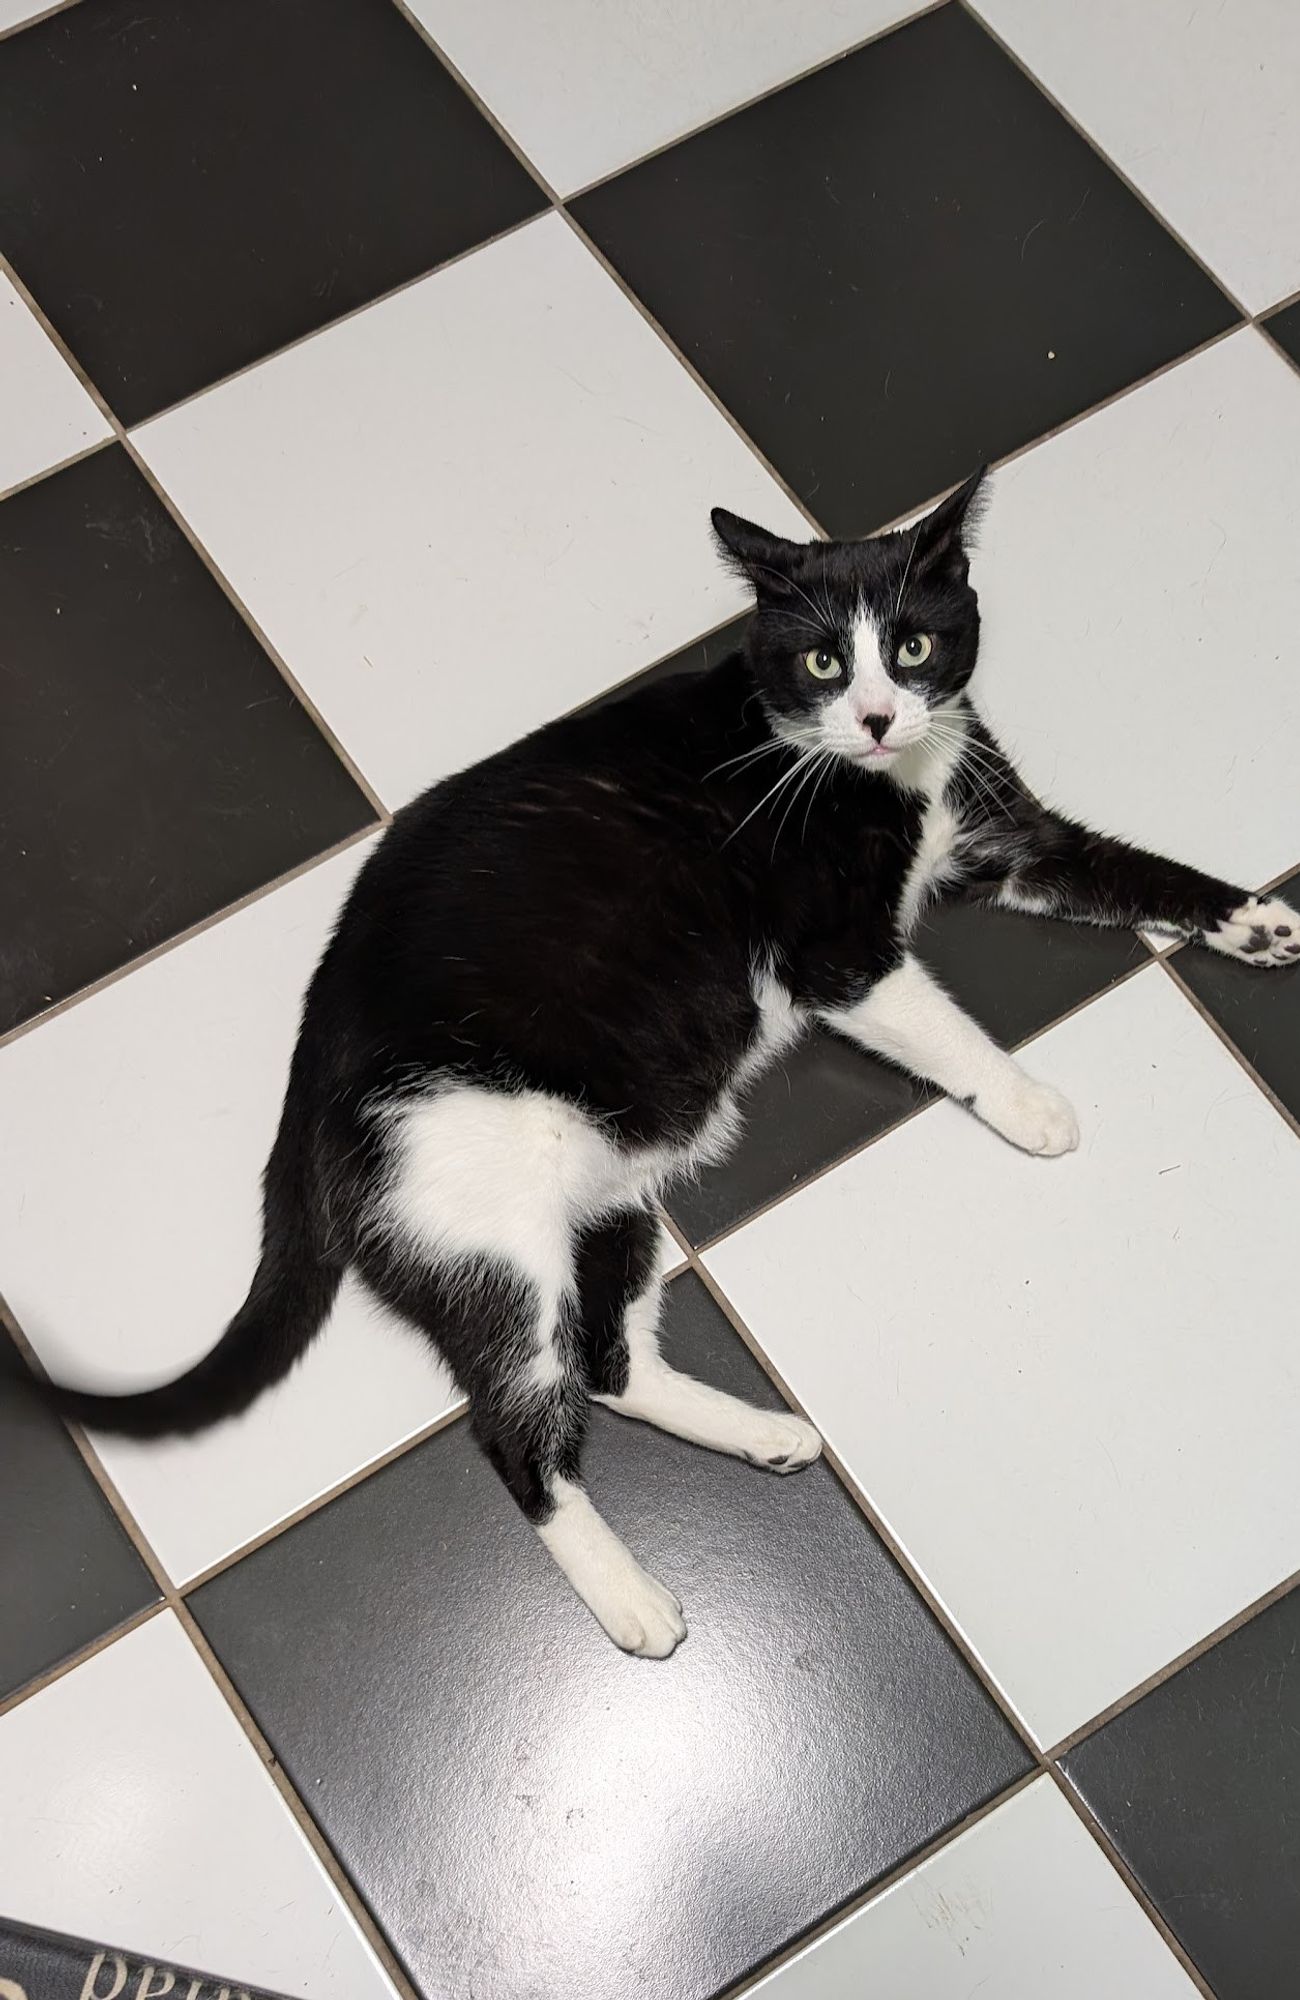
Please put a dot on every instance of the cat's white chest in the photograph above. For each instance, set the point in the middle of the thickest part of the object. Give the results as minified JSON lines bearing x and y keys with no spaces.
{"x":936,"y":850}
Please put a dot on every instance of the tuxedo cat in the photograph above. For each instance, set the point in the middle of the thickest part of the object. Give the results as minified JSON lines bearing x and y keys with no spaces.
{"x":558,"y":970}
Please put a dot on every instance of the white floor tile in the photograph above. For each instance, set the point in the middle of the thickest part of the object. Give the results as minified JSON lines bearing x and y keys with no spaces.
{"x":585,"y":87}
{"x":469,"y":508}
{"x":136,"y":1128}
{"x":15,"y":12}
{"x":1071,"y":1387}
{"x":1024,"y":1906}
{"x":1198,"y":109}
{"x":1140,"y":592}
{"x":45,"y":414}
{"x":137,"y":1813}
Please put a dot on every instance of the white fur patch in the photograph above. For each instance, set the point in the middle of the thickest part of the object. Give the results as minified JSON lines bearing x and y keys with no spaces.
{"x":1262,"y":931}
{"x":638,"y":1613}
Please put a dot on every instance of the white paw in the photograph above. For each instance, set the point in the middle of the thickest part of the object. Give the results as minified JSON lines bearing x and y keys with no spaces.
{"x":780,"y":1442}
{"x":639,"y":1613}
{"x":1261,"y":931}
{"x":1031,"y":1115}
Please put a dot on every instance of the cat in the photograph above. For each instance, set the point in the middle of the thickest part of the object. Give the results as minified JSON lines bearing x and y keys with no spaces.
{"x":557,"y":971}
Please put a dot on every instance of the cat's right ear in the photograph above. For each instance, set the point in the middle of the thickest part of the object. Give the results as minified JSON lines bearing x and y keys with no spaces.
{"x":762,"y":559}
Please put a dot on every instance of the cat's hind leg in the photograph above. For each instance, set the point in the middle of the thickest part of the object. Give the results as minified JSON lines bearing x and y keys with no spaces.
{"x":473,"y":1245}
{"x":621,"y":1303}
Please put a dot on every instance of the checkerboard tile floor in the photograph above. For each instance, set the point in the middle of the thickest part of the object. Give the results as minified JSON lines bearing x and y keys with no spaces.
{"x":316,"y":320}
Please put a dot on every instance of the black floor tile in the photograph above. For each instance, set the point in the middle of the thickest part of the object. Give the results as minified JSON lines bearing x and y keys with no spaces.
{"x":901,"y":266}
{"x":1260,"y":1011}
{"x":1285,"y":329}
{"x":1015,"y":974}
{"x":191,"y":184}
{"x":68,"y":1574}
{"x":153,"y":764}
{"x":529,"y":1812}
{"x":1198,"y":1785}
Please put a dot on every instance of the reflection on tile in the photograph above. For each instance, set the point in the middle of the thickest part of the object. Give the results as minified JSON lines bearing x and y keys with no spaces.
{"x":560,"y":1794}
{"x":137,"y":1125}
{"x":883,"y":311}
{"x":137,"y":1810}
{"x":511,"y":418}
{"x":1197,"y":1786}
{"x":1023,"y":1362}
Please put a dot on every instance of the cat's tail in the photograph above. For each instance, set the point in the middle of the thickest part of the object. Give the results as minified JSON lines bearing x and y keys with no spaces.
{"x":293,"y":1288}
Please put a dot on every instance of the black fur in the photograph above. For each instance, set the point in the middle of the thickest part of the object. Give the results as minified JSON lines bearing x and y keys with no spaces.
{"x":582,"y":914}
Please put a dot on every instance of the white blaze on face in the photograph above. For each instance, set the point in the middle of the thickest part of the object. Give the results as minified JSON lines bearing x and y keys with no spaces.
{"x":872,"y":690}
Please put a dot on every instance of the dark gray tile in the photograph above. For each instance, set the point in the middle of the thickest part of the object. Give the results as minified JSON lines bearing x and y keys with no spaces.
{"x":1198,"y":1786}
{"x":693,"y":659}
{"x":68,"y":1574}
{"x":1015,"y":974}
{"x":1259,"y":1010}
{"x":191,"y":184}
{"x":1285,"y":329}
{"x":901,"y":266}
{"x":154,"y":766}
{"x":530,"y":1812}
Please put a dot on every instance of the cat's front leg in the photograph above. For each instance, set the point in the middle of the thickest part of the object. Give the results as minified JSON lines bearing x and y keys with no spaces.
{"x":1262,"y":930}
{"x":909,"y":1018}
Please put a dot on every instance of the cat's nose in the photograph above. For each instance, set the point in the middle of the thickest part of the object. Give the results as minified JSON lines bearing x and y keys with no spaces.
{"x":878,"y":724}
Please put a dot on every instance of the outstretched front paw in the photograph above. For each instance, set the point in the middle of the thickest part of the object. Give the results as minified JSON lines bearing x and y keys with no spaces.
{"x":1263,"y":931}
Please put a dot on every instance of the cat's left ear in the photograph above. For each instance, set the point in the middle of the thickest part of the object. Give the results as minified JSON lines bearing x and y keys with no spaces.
{"x":948,"y":532}
{"x":766,"y":560}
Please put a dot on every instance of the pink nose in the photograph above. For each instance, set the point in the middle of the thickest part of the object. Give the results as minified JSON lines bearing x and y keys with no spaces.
{"x":878,"y":724}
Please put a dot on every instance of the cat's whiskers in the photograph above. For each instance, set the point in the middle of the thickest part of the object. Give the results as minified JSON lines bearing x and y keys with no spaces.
{"x":800,"y":762}
{"x":811,"y":769}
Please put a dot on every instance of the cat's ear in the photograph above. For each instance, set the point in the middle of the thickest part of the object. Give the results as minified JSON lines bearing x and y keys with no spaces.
{"x":764,"y":560}
{"x":947,"y":533}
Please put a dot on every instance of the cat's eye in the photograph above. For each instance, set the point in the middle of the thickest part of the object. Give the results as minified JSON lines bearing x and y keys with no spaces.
{"x":916,"y":650}
{"x":823,"y":666}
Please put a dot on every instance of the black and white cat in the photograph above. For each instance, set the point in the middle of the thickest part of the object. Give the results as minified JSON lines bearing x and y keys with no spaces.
{"x":558,"y":970}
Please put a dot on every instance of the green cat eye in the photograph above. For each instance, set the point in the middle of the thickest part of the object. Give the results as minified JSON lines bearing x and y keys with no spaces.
{"x":914,"y":652}
{"x":823,"y":666}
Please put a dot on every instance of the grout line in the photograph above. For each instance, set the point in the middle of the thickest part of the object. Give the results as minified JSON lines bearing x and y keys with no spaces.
{"x":1281,"y":305}
{"x":1130,"y":1880}
{"x":123,"y":438}
{"x":194,"y":930}
{"x":47,"y":1677}
{"x":479,"y":102}
{"x":316,"y":332}
{"x":904,"y":20}
{"x":1276,"y":345}
{"x":1186,"y":1658}
{"x":172,"y":1600}
{"x":442,"y":1422}
{"x":876,"y":1889}
{"x":60,"y":464}
{"x":1287,"y":1116}
{"x":927,"y":1104}
{"x":1095,"y":146}
{"x":31,"y":20}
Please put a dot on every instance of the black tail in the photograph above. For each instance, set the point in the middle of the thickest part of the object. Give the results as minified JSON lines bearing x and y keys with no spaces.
{"x":292,"y":1292}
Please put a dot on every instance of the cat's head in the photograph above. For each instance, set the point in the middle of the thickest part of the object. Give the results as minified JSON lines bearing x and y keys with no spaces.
{"x":858,"y":646}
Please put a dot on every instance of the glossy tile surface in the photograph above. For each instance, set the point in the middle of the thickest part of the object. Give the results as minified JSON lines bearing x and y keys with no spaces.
{"x":1261,"y":1018}
{"x":147,"y":1112}
{"x":153,"y":762}
{"x":1125,"y":567}
{"x":45,"y":413}
{"x":137,"y":1810}
{"x":1023,"y":1904}
{"x":1197,"y":1785}
{"x":557,"y":1790}
{"x":510,"y":421}
{"x":1023,"y":1361}
{"x":585,"y":88}
{"x":900,"y":268}
{"x":1198,"y":109}
{"x":63,"y":1556}
{"x":323,"y":156}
